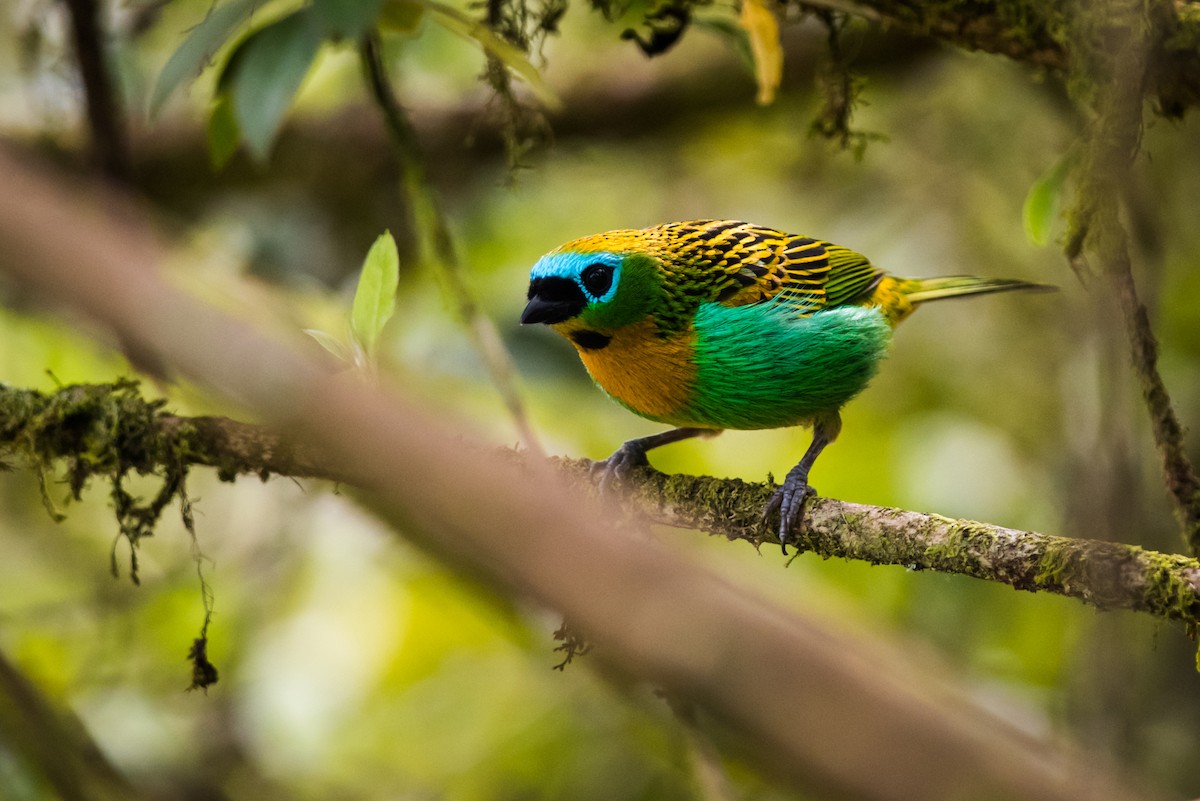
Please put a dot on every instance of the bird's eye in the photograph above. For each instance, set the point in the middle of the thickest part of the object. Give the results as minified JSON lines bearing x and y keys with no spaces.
{"x":597,"y":279}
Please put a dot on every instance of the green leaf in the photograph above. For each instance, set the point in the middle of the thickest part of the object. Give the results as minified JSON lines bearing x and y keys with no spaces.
{"x":264,"y":74}
{"x":346,"y":19}
{"x":375,"y":298}
{"x":339,"y":349}
{"x":1044,"y":201}
{"x":223,"y":131}
{"x":198,"y":49}
{"x":509,"y":54}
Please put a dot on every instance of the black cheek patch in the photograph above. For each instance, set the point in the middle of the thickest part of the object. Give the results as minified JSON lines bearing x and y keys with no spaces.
{"x":590,"y":340}
{"x":557,"y":290}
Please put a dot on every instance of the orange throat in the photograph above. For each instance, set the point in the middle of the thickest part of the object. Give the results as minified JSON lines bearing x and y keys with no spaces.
{"x":646,"y":373}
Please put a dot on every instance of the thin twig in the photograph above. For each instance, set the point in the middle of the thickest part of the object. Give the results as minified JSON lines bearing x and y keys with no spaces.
{"x":437,"y":246}
{"x":1114,"y":46}
{"x":708,"y":770}
{"x":105,"y":121}
{"x":1178,"y":472}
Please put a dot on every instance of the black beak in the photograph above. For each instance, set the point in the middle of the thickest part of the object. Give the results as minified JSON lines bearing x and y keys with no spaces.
{"x":552,"y":300}
{"x":540,"y":310}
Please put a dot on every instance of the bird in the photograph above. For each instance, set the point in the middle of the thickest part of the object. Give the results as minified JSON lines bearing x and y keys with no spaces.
{"x":707,"y":325}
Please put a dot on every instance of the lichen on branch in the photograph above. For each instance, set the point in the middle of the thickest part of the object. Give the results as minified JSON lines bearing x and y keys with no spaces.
{"x":109,"y":430}
{"x":1105,"y":575}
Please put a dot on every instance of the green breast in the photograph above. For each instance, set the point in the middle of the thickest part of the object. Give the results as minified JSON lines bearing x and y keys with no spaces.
{"x":763,"y":366}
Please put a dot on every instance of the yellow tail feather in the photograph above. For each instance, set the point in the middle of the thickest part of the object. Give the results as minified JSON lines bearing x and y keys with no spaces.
{"x":897,"y":297}
{"x":919,"y":290}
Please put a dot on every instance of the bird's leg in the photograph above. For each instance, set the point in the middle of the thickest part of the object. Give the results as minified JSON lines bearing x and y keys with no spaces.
{"x":790,"y":497}
{"x":633,"y":453}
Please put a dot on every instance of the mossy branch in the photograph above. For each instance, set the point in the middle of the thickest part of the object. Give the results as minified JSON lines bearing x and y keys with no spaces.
{"x":1105,"y":575}
{"x":109,"y":429}
{"x":1039,"y":34}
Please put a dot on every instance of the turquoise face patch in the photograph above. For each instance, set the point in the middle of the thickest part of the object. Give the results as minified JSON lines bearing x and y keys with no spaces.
{"x":571,"y":265}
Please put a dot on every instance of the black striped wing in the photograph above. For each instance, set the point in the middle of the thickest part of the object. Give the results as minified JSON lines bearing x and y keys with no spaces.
{"x":737,"y":263}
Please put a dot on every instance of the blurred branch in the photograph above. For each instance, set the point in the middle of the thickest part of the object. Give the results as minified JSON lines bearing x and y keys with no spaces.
{"x":52,"y":743}
{"x":55,"y":744}
{"x":103,"y":109}
{"x":74,"y":424}
{"x":1023,"y":32}
{"x":1039,"y":34}
{"x":816,"y":708}
{"x":437,"y":247}
{"x":1115,"y":51}
{"x":522,"y":125}
{"x":710,"y":779}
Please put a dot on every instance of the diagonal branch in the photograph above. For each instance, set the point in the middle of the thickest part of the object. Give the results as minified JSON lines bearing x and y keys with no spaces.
{"x":55,"y":745}
{"x":805,"y":703}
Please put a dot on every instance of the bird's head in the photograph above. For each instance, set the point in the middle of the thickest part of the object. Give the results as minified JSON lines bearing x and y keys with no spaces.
{"x":587,"y":294}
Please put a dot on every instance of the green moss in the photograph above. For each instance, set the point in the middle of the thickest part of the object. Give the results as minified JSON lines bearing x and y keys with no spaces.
{"x":960,"y":548}
{"x":105,"y":430}
{"x":1168,"y":591}
{"x":1106,"y":575}
{"x":729,"y":506}
{"x":1054,"y":566}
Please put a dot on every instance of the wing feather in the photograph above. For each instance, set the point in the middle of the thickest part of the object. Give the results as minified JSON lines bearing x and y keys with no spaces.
{"x":736,"y":263}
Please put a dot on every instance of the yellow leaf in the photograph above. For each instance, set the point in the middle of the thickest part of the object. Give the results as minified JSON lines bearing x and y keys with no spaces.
{"x":762,"y":28}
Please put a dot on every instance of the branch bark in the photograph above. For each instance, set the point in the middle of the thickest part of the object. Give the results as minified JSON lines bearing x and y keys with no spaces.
{"x":1039,"y":34}
{"x":75,"y":424}
{"x":1106,"y":575}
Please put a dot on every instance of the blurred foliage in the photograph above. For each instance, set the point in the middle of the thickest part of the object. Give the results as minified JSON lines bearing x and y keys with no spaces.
{"x":352,"y":667}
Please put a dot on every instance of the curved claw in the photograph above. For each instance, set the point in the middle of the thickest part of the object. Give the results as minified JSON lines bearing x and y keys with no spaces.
{"x":632,"y":455}
{"x":789,"y":501}
{"x":617,"y":467}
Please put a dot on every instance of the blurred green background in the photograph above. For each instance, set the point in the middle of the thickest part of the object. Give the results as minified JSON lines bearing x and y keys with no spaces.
{"x":353,"y":667}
